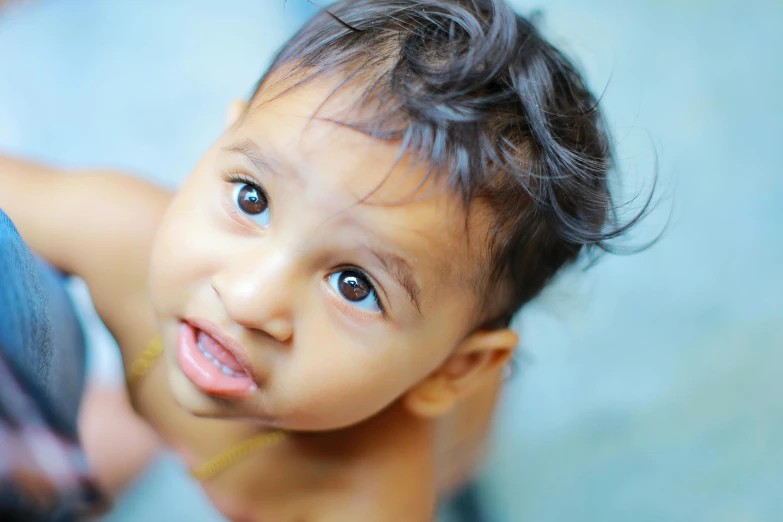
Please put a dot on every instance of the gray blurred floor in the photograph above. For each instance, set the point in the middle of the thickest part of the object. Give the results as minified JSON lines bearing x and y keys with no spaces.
{"x":650,"y":391}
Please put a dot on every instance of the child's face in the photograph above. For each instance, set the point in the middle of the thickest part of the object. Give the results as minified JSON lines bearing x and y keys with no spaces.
{"x":337,"y":304}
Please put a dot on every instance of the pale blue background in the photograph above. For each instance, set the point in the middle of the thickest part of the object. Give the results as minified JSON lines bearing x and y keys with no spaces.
{"x":651,"y":389}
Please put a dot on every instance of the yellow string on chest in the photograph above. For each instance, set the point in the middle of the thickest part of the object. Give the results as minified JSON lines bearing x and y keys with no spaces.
{"x":219,"y":463}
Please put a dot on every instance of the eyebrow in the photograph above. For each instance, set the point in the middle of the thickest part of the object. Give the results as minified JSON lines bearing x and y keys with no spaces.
{"x":252,"y":152}
{"x":402,"y":272}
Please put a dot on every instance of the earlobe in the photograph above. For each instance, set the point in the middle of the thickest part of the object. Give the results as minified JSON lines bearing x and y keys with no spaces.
{"x":235,"y":111}
{"x":479,"y":357}
{"x":430,"y":398}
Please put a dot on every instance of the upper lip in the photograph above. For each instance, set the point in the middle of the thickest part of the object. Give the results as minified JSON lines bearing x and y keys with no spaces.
{"x":227,"y":342}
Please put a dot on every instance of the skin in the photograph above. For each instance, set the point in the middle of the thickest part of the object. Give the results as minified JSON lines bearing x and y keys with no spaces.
{"x":387,"y":409}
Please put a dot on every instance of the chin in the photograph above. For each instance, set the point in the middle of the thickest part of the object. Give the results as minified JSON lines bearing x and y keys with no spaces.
{"x":192,"y":400}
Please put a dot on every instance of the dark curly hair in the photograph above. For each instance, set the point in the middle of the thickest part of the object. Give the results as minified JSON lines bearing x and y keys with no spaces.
{"x":474,"y":90}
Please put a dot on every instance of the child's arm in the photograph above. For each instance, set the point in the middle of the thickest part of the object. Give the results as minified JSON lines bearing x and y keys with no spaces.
{"x":97,"y":225}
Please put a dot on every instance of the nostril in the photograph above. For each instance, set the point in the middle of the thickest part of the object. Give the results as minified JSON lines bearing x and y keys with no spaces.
{"x":279,"y":328}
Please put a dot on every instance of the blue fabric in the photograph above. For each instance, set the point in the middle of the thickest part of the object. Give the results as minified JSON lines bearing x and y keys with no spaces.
{"x":39,"y":332}
{"x":42,"y":341}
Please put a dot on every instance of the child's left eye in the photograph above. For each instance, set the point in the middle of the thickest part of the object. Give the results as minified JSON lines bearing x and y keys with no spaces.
{"x":252,"y":201}
{"x":357,"y":289}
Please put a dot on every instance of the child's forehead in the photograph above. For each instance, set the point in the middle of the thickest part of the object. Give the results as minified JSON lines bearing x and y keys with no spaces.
{"x":308,"y":134}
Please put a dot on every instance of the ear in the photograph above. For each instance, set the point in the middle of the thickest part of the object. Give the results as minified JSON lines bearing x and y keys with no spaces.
{"x":478,"y":359}
{"x":235,"y":110}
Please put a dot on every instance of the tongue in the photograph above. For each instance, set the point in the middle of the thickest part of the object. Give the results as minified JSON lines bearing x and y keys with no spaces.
{"x":221,"y":354}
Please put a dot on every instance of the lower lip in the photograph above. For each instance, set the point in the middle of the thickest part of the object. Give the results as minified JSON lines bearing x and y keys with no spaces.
{"x":204,"y":374}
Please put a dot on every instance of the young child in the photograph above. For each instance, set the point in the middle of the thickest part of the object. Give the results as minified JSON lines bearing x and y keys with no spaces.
{"x":342,"y":266}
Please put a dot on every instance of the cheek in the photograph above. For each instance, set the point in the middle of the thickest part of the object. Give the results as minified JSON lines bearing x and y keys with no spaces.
{"x":182,"y":257}
{"x":335,"y":382}
{"x":339,"y":393}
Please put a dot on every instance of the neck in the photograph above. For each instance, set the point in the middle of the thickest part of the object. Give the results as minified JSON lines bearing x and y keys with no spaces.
{"x":380,"y":469}
{"x":389,"y":458}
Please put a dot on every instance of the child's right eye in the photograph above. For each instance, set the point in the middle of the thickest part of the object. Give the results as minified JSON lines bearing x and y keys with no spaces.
{"x":252,"y":201}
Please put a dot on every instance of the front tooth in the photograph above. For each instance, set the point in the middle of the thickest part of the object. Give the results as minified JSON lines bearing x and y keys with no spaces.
{"x":227,"y":370}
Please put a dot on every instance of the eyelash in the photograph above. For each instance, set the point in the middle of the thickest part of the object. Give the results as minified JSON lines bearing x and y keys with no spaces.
{"x":236,"y":177}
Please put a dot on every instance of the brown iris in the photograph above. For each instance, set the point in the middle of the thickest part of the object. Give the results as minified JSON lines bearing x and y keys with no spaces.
{"x":353,"y":286}
{"x":251,"y":200}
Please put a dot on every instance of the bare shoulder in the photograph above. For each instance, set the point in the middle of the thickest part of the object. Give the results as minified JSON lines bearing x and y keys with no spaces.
{"x":98,"y":225}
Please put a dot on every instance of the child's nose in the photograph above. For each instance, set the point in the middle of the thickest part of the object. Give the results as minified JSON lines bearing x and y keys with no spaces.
{"x":257,"y":293}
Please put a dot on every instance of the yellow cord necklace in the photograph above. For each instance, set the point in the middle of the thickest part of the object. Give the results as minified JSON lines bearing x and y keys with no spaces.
{"x":219,"y":463}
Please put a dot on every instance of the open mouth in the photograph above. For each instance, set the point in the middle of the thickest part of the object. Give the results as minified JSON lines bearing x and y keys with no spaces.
{"x":210,"y":366}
